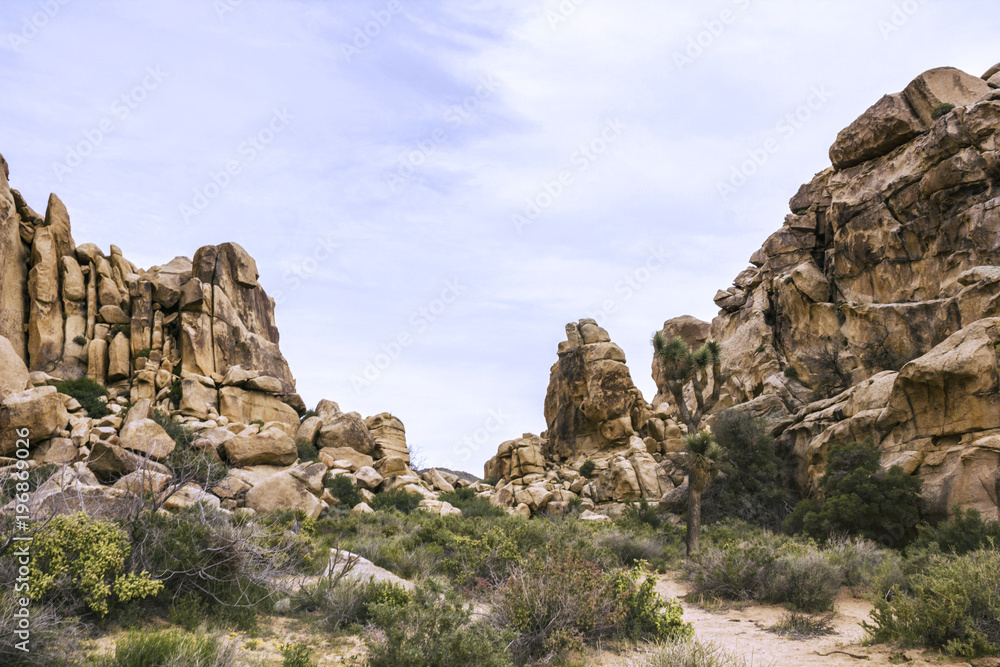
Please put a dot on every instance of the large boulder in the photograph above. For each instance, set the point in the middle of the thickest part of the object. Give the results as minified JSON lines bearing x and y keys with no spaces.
{"x":250,"y":406}
{"x":389,"y":436}
{"x":268,"y":448}
{"x":146,"y":437}
{"x":346,"y":430}
{"x":14,"y":376}
{"x":591,"y":396}
{"x":38,"y":413}
{"x":284,"y":491}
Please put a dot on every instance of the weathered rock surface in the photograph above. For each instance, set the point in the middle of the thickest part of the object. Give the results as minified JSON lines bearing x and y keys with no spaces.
{"x":269,"y":448}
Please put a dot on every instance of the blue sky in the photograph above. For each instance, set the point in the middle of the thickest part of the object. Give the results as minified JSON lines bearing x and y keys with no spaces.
{"x":433,"y":190}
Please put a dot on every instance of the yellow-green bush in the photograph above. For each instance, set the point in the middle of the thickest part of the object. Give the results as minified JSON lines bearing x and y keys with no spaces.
{"x":76,"y":556}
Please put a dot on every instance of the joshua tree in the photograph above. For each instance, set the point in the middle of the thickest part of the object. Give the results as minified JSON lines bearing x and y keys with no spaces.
{"x":703,"y":455}
{"x":683,"y":367}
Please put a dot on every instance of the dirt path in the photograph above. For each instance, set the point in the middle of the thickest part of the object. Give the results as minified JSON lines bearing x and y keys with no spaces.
{"x":745,"y":631}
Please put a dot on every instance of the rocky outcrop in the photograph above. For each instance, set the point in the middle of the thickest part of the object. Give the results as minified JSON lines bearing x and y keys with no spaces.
{"x":194,"y":341}
{"x":591,"y":404}
{"x":868,"y":314}
{"x":597,"y":417}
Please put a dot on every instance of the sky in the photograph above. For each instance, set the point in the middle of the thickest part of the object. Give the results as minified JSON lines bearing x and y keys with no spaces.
{"x":432,"y":190}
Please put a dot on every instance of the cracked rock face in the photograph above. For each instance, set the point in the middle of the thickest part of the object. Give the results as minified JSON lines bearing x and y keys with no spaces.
{"x":885,"y":258}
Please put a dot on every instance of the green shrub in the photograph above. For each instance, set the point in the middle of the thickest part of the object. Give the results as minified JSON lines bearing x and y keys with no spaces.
{"x":396,"y":499}
{"x":868,"y":567}
{"x":753,"y":484}
{"x":739,"y":570}
{"x":941,"y":110}
{"x":88,"y":393}
{"x":587,"y":469}
{"x":79,"y":559}
{"x":174,"y":396}
{"x":296,"y":655}
{"x":965,"y":532}
{"x":80,"y":340}
{"x":188,"y":611}
{"x":434,"y":631}
{"x":628,"y":549}
{"x":347,"y":600}
{"x":953,"y":605}
{"x":860,"y":499}
{"x":307,"y":450}
{"x":465,"y":499}
{"x":791,"y":371}
{"x":231,"y":563}
{"x":808,"y":582}
{"x":144,"y":352}
{"x":643,"y":514}
{"x":343,"y":489}
{"x":170,"y":648}
{"x":558,"y":602}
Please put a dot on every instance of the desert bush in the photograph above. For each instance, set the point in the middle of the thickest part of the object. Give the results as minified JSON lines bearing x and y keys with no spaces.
{"x":307,"y":450}
{"x":691,"y":652}
{"x":587,"y":469}
{"x":867,"y":566}
{"x":803,"y":626}
{"x":188,"y":611}
{"x":465,"y":499}
{"x":558,"y":602}
{"x":179,"y":433}
{"x":738,"y":570}
{"x":629,"y":549}
{"x":396,"y":499}
{"x":953,"y":605}
{"x":52,"y":636}
{"x":643,"y":514}
{"x":88,"y":393}
{"x":296,"y":655}
{"x":343,"y":489}
{"x":343,"y":600}
{"x":230,"y":563}
{"x":171,"y":648}
{"x":808,"y":582}
{"x":965,"y":532}
{"x":79,"y":559}
{"x":942,"y":110}
{"x":860,"y":499}
{"x":433,"y":630}
{"x":754,"y":482}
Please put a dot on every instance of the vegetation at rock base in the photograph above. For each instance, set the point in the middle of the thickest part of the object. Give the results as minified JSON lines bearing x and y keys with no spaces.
{"x":343,"y":489}
{"x":860,"y":498}
{"x":753,"y":484}
{"x":89,"y":393}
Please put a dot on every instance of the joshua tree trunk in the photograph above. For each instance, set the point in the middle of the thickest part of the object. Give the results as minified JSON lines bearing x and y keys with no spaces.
{"x":694,"y":519}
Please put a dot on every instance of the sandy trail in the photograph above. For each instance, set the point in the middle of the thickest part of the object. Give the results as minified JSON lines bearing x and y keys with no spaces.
{"x":745,"y":630}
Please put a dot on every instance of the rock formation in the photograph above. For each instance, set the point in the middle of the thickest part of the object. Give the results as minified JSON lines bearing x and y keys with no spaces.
{"x":872,"y":313}
{"x":194,"y":339}
{"x":869,"y":314}
{"x":594,"y":413}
